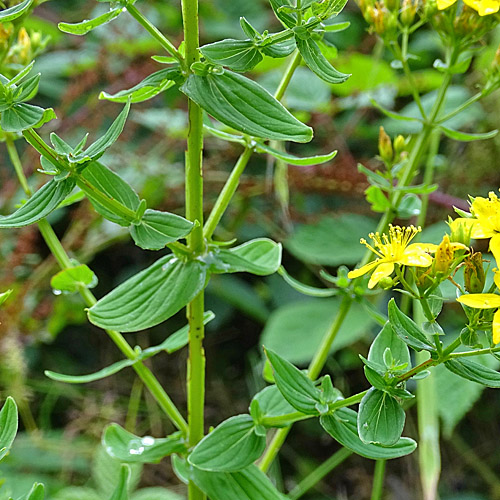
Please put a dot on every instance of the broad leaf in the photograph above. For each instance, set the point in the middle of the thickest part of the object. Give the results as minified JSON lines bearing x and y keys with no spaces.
{"x":41,"y":204}
{"x":21,"y":116}
{"x":88,"y":25}
{"x":37,"y":492}
{"x":342,"y":426}
{"x":407,"y":330}
{"x":260,"y":256}
{"x":317,"y":62}
{"x":239,"y":55}
{"x":244,"y":105}
{"x":121,"y":491}
{"x":129,"y":448}
{"x":151,"y":296}
{"x":113,"y":186}
{"x":91,"y":377}
{"x":8,"y":426}
{"x":272,"y":403}
{"x":474,"y":371}
{"x":295,"y":160}
{"x":151,"y":86}
{"x":387,"y":339}
{"x":380,"y":418}
{"x":156,"y":493}
{"x":280,"y":49}
{"x":16,"y":11}
{"x":296,"y":387}
{"x":466,"y":137}
{"x":248,"y":484}
{"x":288,"y":20}
{"x":157,"y":229}
{"x":230,"y":447}
{"x":28,"y":89}
{"x":70,"y":280}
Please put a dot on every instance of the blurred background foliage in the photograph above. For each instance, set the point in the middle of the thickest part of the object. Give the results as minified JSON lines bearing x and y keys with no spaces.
{"x":319,"y":213}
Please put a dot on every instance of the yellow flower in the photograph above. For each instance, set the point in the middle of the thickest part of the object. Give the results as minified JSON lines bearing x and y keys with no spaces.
{"x":394,"y":249}
{"x":486,"y":221}
{"x":482,"y":7}
{"x":486,"y":301}
{"x":445,"y":254}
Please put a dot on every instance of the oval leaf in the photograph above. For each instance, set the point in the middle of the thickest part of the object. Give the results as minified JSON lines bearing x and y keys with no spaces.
{"x":244,"y":105}
{"x":70,"y":280}
{"x":272,"y":403}
{"x":387,"y":339}
{"x":129,"y":448}
{"x":342,"y":426}
{"x":84,"y":27}
{"x":41,"y":204}
{"x":239,"y":55}
{"x":15,"y":11}
{"x":151,"y":296}
{"x":37,"y":492}
{"x":230,"y":447}
{"x":8,"y":426}
{"x":21,"y":116}
{"x":474,"y":371}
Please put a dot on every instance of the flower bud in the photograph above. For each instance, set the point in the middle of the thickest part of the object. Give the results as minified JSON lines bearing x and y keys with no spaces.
{"x":399,"y":145}
{"x":474,"y":276}
{"x":385,"y":146}
{"x":386,"y":283}
{"x":460,"y":230}
{"x":408,"y":11}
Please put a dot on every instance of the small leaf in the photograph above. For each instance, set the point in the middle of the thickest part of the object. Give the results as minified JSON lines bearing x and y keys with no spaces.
{"x":121,"y":490}
{"x":288,"y":20}
{"x":91,"y":377}
{"x":4,"y":296}
{"x":84,"y":27}
{"x":129,"y":448}
{"x":244,"y":105}
{"x":8,"y":426}
{"x":295,"y":160}
{"x":260,"y":256}
{"x":312,"y":291}
{"x":466,"y":137}
{"x":230,"y":447}
{"x":16,"y":11}
{"x":407,"y":330}
{"x":272,"y":403}
{"x":37,"y":492}
{"x":157,"y":229}
{"x":317,"y":62}
{"x":387,"y":339}
{"x":342,"y":426}
{"x":248,"y":484}
{"x":475,"y":372}
{"x":70,"y":280}
{"x":21,"y":116}
{"x":28,"y":89}
{"x":380,"y":419}
{"x":392,"y":114}
{"x":296,"y":387}
{"x":279,"y":49}
{"x":239,"y":55}
{"x":41,"y":204}
{"x":151,"y":296}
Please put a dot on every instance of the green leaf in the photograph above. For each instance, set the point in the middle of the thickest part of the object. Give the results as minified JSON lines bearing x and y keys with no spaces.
{"x":155,"y":494}
{"x":151,"y":296}
{"x":230,"y":447}
{"x":225,"y":136}
{"x":41,"y":204}
{"x":239,"y":55}
{"x":380,"y":419}
{"x":312,"y":291}
{"x":317,"y":62}
{"x":244,"y":105}
{"x":387,"y":339}
{"x":28,"y":89}
{"x":48,"y":115}
{"x":392,"y":114}
{"x":176,"y":341}
{"x":84,"y":27}
{"x":248,"y":484}
{"x":8,"y":426}
{"x":114,"y":186}
{"x":260,"y":256}
{"x":342,"y":426}
{"x":129,"y":448}
{"x":121,"y":490}
{"x":4,"y":296}
{"x":272,"y":403}
{"x":288,"y":20}
{"x":157,"y":229}
{"x":70,"y":280}
{"x":466,"y":137}
{"x":151,"y":86}
{"x":21,"y":116}
{"x":37,"y":492}
{"x":475,"y":372}
{"x":295,"y":160}
{"x":407,"y":330}
{"x":91,"y":377}
{"x":279,"y":49}
{"x":298,"y":389}
{"x":16,"y":11}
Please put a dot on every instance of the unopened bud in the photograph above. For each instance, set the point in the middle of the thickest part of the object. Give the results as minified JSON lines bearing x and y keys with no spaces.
{"x":408,"y":11}
{"x":474,"y":276}
{"x":399,"y":145}
{"x":460,"y":230}
{"x":386,"y":283}
{"x":385,"y":146}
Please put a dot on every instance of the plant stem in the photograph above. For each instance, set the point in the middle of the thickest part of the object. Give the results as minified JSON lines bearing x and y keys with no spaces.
{"x":378,"y":480}
{"x":196,"y":244}
{"x":154,"y":32}
{"x":319,"y":473}
{"x":274,"y":448}
{"x":290,"y":70}
{"x":11,"y":149}
{"x":64,"y":262}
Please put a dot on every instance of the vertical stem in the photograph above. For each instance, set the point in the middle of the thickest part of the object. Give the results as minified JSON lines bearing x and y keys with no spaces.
{"x":378,"y":480}
{"x":196,"y":244}
{"x":11,"y":148}
{"x":290,"y":70}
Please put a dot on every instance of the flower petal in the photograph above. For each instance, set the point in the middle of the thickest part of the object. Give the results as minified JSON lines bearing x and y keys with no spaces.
{"x":495,"y":326}
{"x":355,"y":273}
{"x":480,"y":300}
{"x":422,"y":247}
{"x":483,"y":7}
{"x":496,"y":277}
{"x":495,"y":247}
{"x":415,"y":258}
{"x":382,"y":271}
{"x":444,"y":4}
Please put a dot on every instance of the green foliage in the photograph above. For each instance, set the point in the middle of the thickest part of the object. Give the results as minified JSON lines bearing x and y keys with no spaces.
{"x":70,"y":280}
{"x":8,"y":426}
{"x":15,"y":11}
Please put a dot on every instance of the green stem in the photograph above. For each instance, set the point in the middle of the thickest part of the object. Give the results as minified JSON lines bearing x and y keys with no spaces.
{"x":154,"y":32}
{"x":274,"y":448}
{"x":319,"y":473}
{"x":11,"y":148}
{"x":378,"y":480}
{"x":461,"y":108}
{"x":290,"y":70}
{"x":64,"y":262}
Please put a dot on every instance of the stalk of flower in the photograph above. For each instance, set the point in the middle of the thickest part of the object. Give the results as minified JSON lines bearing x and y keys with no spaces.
{"x":486,"y":301}
{"x":393,"y":250}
